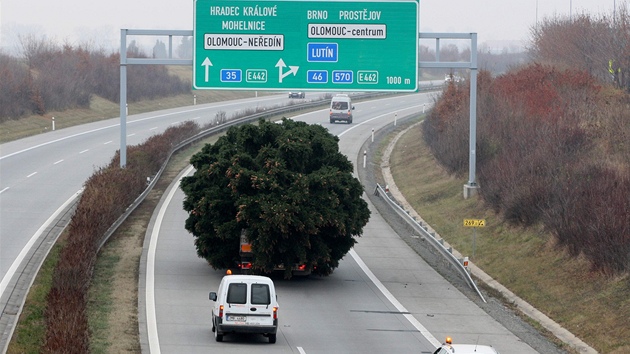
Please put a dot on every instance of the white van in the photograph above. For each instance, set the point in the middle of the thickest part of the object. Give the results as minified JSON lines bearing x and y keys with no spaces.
{"x":341,"y":108}
{"x":245,"y":304}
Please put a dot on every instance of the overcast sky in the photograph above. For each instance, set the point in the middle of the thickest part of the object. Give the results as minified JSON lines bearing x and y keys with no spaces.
{"x":99,"y":22}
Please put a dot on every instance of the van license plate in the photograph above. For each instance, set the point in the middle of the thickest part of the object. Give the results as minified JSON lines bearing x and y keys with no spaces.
{"x":236,"y":318}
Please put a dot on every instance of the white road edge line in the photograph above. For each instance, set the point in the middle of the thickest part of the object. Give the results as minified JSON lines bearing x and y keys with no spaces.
{"x":129,"y":122}
{"x":375,"y":280}
{"x":4,"y":189}
{"x":154,"y":341}
{"x":16,"y":263}
{"x":394,"y":301}
{"x":31,"y":175}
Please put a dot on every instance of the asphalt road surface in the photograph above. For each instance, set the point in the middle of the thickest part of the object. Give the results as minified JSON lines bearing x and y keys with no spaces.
{"x":383,"y":298}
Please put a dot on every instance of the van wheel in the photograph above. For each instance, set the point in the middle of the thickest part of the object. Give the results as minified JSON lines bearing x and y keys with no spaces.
{"x":218,"y":337}
{"x":272,"y":338}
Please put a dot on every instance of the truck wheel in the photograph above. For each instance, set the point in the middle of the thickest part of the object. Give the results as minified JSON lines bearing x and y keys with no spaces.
{"x":272,"y":338}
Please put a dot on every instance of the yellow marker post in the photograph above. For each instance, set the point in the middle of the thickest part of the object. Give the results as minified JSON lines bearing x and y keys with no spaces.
{"x":474,"y":223}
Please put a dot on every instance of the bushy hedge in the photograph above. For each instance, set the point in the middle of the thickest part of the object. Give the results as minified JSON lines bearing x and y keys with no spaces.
{"x":548,"y":153}
{"x":108,"y":193}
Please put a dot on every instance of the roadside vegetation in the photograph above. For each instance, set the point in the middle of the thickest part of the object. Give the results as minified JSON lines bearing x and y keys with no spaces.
{"x":553,"y":166}
{"x":553,"y":161}
{"x":69,"y":85}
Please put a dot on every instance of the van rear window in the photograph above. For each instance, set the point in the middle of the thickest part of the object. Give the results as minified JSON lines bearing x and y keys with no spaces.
{"x":260,"y":294}
{"x":237,"y":293}
{"x":340,"y":105}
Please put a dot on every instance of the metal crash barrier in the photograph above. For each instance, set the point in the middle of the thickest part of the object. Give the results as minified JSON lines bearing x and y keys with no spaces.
{"x":437,"y":244}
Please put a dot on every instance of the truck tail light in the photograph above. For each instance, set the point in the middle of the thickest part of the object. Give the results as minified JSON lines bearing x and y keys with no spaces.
{"x":302,"y":267}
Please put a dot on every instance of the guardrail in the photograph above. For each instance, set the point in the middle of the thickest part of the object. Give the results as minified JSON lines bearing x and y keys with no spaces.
{"x":30,"y":267}
{"x":438,"y":244}
{"x":223,"y":127}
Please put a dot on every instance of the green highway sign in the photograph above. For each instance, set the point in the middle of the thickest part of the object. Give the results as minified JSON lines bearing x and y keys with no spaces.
{"x":305,"y":45}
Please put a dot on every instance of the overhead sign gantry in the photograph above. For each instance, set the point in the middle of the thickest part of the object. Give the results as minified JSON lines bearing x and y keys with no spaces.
{"x":305,"y":45}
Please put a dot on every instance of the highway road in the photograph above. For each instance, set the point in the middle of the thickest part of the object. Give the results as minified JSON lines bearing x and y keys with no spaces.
{"x":41,"y":174}
{"x":383,"y":298}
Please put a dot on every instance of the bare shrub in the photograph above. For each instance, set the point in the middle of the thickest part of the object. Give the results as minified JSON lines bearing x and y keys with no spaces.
{"x":107,"y":194}
{"x":53,"y":77}
{"x":15,"y":89}
{"x":541,"y":157}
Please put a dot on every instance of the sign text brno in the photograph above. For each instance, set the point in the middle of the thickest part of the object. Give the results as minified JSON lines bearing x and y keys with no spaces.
{"x":305,"y":45}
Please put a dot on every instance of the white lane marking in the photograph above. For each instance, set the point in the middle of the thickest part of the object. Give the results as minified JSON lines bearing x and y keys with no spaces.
{"x":301,"y":350}
{"x":60,"y":161}
{"x":154,"y":341}
{"x":130,"y":122}
{"x":371,"y":275}
{"x":4,"y":190}
{"x":196,"y":118}
{"x":31,"y":175}
{"x":153,"y":128}
{"x":377,"y":117}
{"x":128,"y":135}
{"x":7,"y":277}
{"x":175,"y":123}
{"x":107,"y":142}
{"x":84,"y":151}
{"x":436,"y":343}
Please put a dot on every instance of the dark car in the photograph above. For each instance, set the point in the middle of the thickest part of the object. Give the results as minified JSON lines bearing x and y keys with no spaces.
{"x":296,"y":94}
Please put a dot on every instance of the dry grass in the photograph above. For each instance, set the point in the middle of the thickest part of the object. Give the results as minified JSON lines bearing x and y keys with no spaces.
{"x":101,"y":109}
{"x":594,"y":307}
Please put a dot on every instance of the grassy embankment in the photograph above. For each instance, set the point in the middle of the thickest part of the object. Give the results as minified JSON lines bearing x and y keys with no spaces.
{"x":594,"y":307}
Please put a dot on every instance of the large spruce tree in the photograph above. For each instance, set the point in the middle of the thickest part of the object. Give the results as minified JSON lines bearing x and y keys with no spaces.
{"x":287,"y":185}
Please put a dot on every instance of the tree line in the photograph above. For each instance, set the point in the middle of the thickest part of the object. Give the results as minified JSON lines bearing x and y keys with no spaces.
{"x":599,"y":45}
{"x":52,"y":77}
{"x":552,"y":137}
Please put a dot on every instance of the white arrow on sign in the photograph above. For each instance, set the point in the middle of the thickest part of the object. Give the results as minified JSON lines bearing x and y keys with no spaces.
{"x":207,"y":63}
{"x":292,"y":70}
